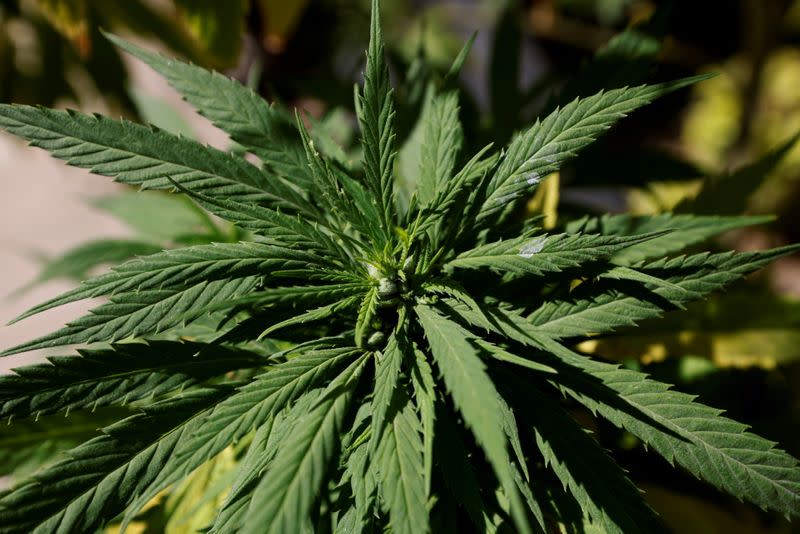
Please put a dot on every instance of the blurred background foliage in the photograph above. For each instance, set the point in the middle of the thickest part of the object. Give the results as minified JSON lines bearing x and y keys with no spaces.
{"x":728,"y":146}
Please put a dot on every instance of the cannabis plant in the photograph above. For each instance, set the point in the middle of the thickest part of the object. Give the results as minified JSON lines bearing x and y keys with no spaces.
{"x":369,"y":360}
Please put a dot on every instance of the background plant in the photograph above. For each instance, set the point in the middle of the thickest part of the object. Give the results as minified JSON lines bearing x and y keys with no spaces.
{"x":528,"y":248}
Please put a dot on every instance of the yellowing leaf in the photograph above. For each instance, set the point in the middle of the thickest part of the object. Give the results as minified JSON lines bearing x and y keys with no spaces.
{"x":217,"y":26}
{"x":756,"y":347}
{"x":194,"y":504}
{"x":545,"y":201}
{"x":280,"y":18}
{"x":741,"y":329}
{"x":69,"y":18}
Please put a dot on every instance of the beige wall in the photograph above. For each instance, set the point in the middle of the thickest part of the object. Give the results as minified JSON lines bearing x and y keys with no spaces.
{"x":44,"y":210}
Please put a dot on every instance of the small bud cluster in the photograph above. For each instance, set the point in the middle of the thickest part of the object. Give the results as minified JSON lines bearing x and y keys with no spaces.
{"x":392,"y":288}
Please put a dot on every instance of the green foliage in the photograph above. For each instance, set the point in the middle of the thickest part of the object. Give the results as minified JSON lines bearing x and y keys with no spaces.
{"x":219,"y":30}
{"x":125,"y":373}
{"x":551,"y":142}
{"x":729,"y":194}
{"x":373,"y":362}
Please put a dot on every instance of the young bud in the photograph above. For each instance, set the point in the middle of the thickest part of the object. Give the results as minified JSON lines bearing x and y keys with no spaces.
{"x":376,"y":340}
{"x":387,"y":288}
{"x":373,"y":271}
{"x":410,"y":264}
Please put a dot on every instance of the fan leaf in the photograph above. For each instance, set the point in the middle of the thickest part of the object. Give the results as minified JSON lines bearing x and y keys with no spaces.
{"x":551,"y":142}
{"x":543,"y":254}
{"x":176,"y":269}
{"x":474,"y":395}
{"x":377,"y":124}
{"x":441,"y":141}
{"x":139,"y":155}
{"x":244,"y":411}
{"x":125,"y":373}
{"x":402,"y":468}
{"x":144,"y":312}
{"x":600,"y":487}
{"x":686,"y":230}
{"x":102,"y":476}
{"x":283,"y":498}
{"x":603,"y":311}
{"x":266,"y":131}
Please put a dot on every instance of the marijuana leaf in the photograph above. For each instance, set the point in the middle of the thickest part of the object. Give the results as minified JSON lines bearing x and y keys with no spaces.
{"x":366,"y":363}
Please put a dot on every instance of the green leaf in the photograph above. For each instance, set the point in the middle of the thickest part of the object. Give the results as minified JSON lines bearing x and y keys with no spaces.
{"x":266,"y":442}
{"x":729,"y":195}
{"x":474,"y":395}
{"x":458,"y":471}
{"x":364,"y":485}
{"x":402,"y":469}
{"x":598,"y":484}
{"x":313,"y":315}
{"x":532,"y":502}
{"x":301,"y":296}
{"x":99,"y":478}
{"x":425,"y":397}
{"x":259,"y":454}
{"x":603,"y":311}
{"x":266,"y":131}
{"x":501,"y":354}
{"x":461,"y":58}
{"x":536,"y":255}
{"x":280,"y":229}
{"x":452,"y":290}
{"x":410,"y":152}
{"x":180,"y":268}
{"x":626,"y":273}
{"x":442,"y":138}
{"x":325,"y":254}
{"x":139,"y":155}
{"x":124,"y":373}
{"x":285,"y":495}
{"x":686,"y":230}
{"x":244,"y":411}
{"x":509,"y":422}
{"x":377,"y":128}
{"x":696,"y":437}
{"x":333,"y":134}
{"x":387,"y":383}
{"x":366,"y":312}
{"x":344,"y":197}
{"x":543,"y":148}
{"x":459,"y":195}
{"x":347,"y":522}
{"x":673,"y":424}
{"x":144,"y":312}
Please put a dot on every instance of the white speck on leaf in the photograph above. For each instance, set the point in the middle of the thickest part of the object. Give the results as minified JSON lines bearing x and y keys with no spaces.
{"x":534,"y":246}
{"x":533,"y":178}
{"x":505,"y":199}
